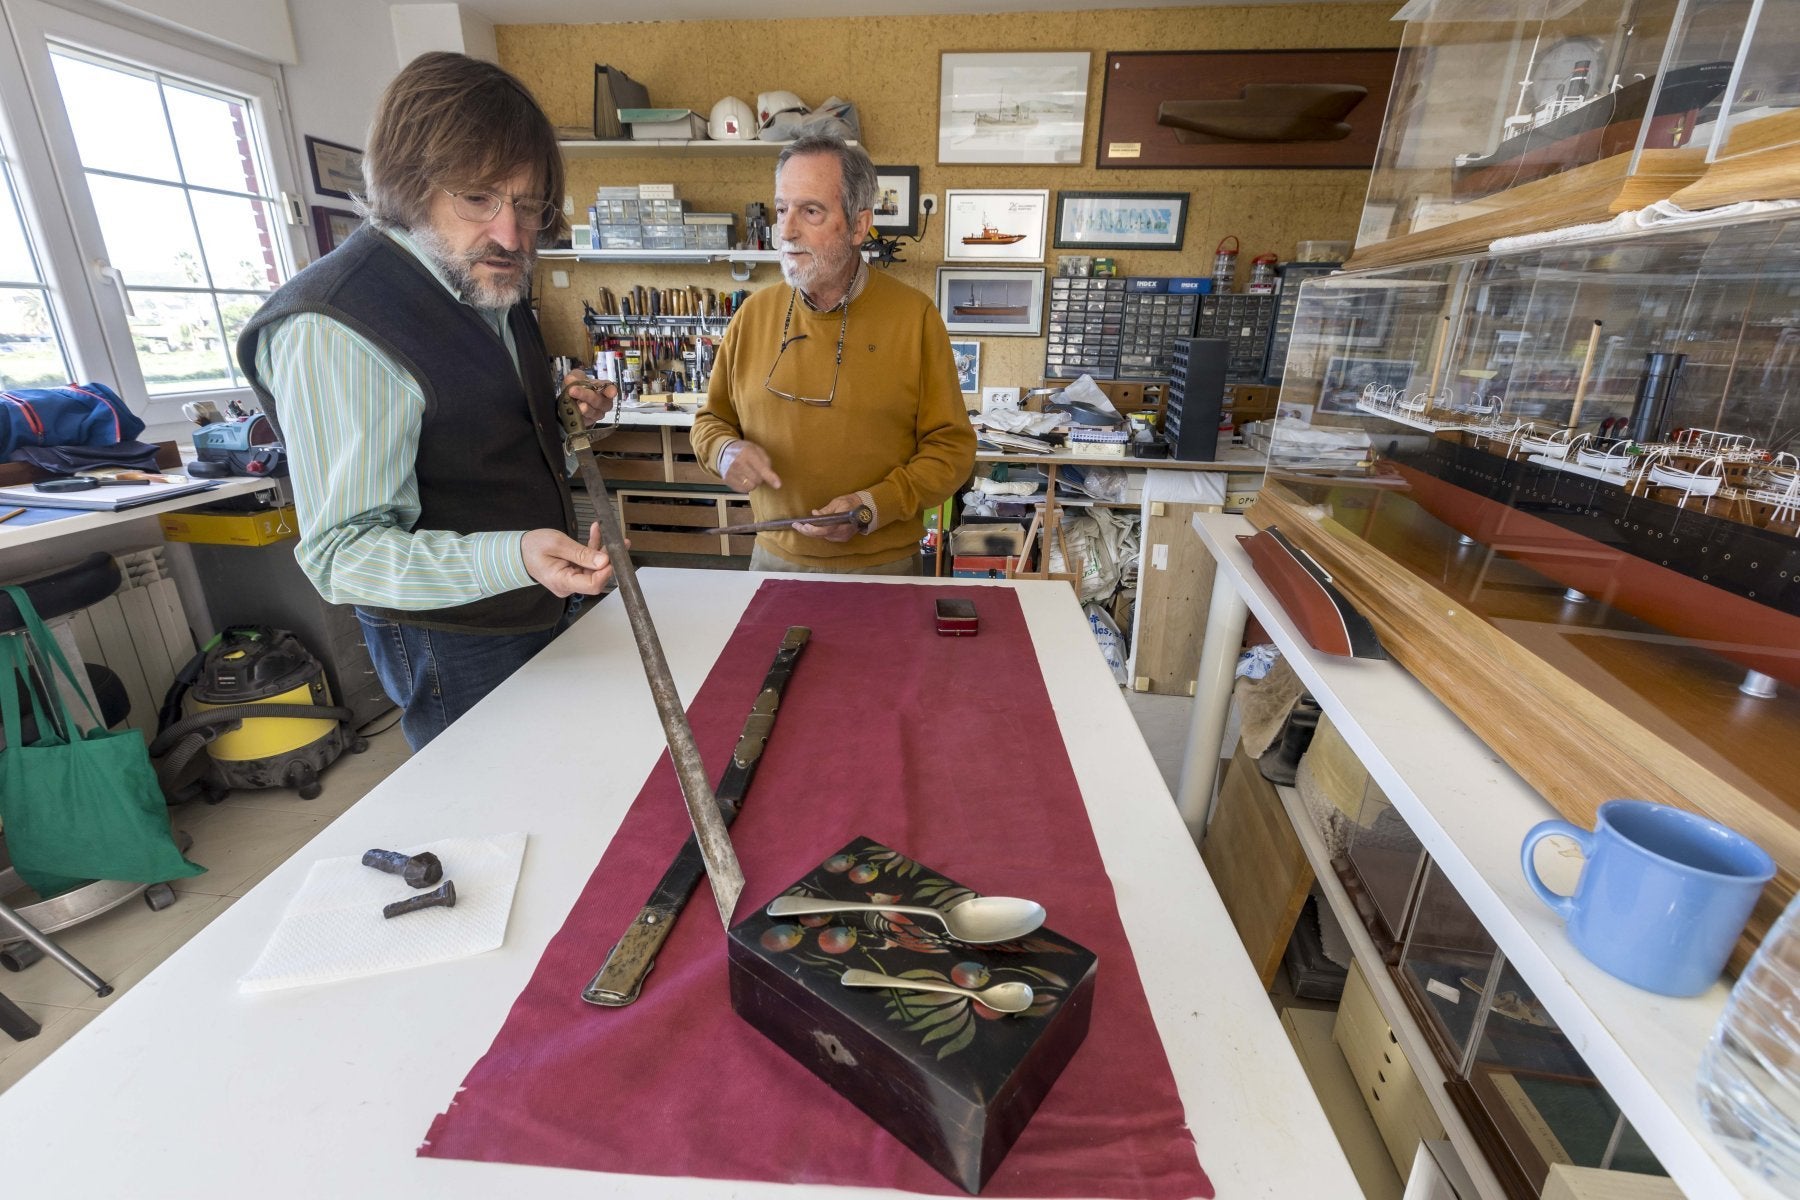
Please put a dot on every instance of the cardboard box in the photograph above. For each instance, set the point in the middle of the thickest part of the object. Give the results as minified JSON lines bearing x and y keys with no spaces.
{"x":231,"y":529}
{"x":987,"y":539}
{"x":982,"y":566}
{"x":954,"y":1085}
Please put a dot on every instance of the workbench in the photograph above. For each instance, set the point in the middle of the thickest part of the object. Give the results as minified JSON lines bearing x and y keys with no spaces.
{"x":185,"y":1088}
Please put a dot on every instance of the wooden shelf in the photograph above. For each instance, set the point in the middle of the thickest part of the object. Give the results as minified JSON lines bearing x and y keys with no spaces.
{"x":670,"y":148}
{"x":662,"y":256}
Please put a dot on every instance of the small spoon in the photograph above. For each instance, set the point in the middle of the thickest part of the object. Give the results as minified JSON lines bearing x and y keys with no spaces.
{"x":976,"y":919}
{"x":1001,"y":997}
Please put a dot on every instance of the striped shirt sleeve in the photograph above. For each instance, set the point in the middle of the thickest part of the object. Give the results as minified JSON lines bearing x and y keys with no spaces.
{"x":351,"y":417}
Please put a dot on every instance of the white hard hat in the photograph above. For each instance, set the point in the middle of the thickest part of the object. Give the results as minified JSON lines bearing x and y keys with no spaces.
{"x":770,"y":105}
{"x":732,"y":121}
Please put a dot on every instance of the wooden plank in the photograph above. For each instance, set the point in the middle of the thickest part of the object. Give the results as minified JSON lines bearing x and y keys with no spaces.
{"x":1594,"y":192}
{"x":1765,"y":174}
{"x":1175,"y":578}
{"x":694,"y":516}
{"x":1542,"y":721}
{"x":1257,"y":863}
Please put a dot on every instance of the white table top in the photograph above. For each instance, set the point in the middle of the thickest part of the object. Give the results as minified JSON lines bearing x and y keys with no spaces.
{"x":87,"y":522}
{"x":185,"y":1088}
{"x":1472,"y":811}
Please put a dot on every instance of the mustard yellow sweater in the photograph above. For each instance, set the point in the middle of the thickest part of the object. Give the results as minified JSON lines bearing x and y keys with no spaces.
{"x":897,"y":428}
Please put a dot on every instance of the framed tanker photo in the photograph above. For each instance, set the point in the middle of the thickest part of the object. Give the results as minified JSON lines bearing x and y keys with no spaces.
{"x":1004,"y":302}
{"x":996,"y":226}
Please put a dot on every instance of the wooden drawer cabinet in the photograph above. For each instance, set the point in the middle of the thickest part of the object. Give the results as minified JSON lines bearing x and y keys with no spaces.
{"x":672,"y":522}
{"x":1394,"y":1094}
{"x":650,"y":454}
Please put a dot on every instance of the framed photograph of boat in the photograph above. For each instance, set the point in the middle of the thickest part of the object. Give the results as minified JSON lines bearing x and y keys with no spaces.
{"x":995,"y":226}
{"x":897,"y":201}
{"x":1012,"y":108}
{"x":1244,"y":108}
{"x":1120,"y":220}
{"x":1347,"y":375}
{"x":968,"y":365}
{"x":992,"y":301}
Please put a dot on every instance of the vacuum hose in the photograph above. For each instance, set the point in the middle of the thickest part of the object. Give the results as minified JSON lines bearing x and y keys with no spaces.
{"x":165,"y":738}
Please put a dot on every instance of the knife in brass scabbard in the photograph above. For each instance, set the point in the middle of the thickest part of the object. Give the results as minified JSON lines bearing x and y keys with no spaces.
{"x":635,"y":952}
{"x":715,"y":845}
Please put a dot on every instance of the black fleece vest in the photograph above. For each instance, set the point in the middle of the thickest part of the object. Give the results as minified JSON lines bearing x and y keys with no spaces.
{"x":490,"y":448}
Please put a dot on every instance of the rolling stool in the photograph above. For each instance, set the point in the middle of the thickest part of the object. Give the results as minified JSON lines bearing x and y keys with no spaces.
{"x":24,"y":931}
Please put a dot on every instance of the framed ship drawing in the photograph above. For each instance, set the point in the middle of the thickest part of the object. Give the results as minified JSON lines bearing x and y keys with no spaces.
{"x":1012,"y":108}
{"x":1250,"y":109}
{"x":989,"y":302}
{"x":995,"y":226}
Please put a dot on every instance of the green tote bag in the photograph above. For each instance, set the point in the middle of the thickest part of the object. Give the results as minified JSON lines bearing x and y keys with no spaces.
{"x":75,"y":808}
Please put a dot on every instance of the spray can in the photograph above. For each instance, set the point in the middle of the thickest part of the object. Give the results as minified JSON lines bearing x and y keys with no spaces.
{"x":1262,"y":275}
{"x":1224,"y":275}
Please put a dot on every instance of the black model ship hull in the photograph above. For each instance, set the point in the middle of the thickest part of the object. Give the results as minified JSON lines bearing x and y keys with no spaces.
{"x":1600,"y":129}
{"x":1731,"y":586}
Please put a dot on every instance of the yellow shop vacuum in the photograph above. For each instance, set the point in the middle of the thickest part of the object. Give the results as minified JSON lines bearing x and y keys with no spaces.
{"x":256,"y":701}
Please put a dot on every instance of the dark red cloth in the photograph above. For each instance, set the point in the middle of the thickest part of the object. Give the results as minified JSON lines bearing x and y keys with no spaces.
{"x":945,"y":749}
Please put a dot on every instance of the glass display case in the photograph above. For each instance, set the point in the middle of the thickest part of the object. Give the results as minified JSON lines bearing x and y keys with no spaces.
{"x":1385,"y":858}
{"x":1753,"y":144}
{"x":1514,"y":1076}
{"x":1580,"y":466}
{"x":1506,"y":118}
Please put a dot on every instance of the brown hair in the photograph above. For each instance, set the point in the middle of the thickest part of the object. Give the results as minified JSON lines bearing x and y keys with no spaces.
{"x":450,"y":121}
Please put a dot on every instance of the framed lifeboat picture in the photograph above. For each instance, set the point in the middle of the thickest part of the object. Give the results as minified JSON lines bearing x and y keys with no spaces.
{"x":995,"y":226}
{"x":1244,"y":108}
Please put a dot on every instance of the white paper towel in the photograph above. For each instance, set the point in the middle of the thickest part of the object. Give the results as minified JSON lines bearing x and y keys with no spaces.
{"x":333,"y":928}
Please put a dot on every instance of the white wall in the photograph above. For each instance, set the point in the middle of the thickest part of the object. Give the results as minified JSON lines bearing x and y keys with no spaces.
{"x":422,"y":27}
{"x":258,"y":27}
{"x":345,"y":58}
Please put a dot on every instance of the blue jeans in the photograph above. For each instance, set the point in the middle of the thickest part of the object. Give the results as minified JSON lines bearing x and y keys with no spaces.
{"x":436,"y":676}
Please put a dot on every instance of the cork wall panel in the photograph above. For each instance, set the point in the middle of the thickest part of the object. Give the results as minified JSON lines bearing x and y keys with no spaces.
{"x":888,"y":66}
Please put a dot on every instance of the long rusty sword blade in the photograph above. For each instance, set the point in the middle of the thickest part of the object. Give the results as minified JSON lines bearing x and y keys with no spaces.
{"x":703,"y":809}
{"x":860,"y":516}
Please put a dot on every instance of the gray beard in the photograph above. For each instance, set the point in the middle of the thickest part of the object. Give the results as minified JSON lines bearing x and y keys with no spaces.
{"x":459,"y":269}
{"x":825,"y":265}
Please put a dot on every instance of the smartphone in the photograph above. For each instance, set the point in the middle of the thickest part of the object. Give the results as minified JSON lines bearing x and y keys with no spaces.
{"x":956,"y":618}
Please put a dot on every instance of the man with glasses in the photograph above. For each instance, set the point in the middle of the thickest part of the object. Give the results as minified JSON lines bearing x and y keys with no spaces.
{"x":413,"y":391}
{"x":837,"y":393}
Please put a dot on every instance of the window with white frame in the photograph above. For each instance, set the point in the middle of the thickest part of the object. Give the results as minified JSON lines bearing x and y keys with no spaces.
{"x":184,"y":208}
{"x":31,"y":344}
{"x":155,"y":176}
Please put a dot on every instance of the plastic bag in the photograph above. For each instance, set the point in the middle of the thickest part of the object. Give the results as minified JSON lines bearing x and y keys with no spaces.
{"x":1111,"y":642}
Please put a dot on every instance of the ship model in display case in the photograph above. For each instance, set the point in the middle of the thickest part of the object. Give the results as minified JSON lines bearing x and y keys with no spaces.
{"x":1579,"y":522}
{"x":1510,"y":120}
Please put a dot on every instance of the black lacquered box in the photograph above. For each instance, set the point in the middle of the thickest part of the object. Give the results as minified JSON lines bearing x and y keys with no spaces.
{"x":951,"y":1079}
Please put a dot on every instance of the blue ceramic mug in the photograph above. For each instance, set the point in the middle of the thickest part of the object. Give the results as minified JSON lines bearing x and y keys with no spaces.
{"x":1663,"y":895}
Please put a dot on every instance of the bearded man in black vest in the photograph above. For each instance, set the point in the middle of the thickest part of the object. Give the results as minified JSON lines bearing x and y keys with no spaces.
{"x":414,"y":394}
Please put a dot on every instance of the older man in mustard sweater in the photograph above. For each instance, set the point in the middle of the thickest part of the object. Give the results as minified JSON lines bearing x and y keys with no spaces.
{"x":838,"y":391}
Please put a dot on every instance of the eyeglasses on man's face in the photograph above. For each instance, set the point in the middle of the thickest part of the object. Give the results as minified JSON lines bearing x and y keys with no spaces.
{"x":481,"y":207}
{"x":786,"y":341}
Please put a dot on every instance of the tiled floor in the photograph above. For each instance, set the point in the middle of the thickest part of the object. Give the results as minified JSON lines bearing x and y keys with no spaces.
{"x":243,"y":839}
{"x":239,"y":842}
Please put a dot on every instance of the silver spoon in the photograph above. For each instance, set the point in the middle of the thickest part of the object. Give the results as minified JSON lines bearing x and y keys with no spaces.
{"x":1001,"y":997}
{"x":976,"y":919}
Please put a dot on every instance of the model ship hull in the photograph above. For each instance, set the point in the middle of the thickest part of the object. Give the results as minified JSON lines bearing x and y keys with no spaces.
{"x":993,"y":239}
{"x":1602,"y":128}
{"x":1266,"y":112}
{"x":989,"y":310}
{"x":1732,"y":587}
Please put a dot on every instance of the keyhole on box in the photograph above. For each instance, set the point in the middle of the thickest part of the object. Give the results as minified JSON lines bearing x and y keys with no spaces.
{"x":834,"y":1049}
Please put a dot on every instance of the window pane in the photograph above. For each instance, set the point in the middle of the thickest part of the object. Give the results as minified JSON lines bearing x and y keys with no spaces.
{"x":213,"y":137}
{"x":238,"y":237}
{"x":29,"y":353}
{"x":16,"y":265}
{"x":178,"y":342}
{"x":237,"y":311}
{"x":117,"y":117}
{"x":149,"y":232}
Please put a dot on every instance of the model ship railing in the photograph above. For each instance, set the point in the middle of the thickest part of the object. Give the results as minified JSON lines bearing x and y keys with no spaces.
{"x":1528,"y":439}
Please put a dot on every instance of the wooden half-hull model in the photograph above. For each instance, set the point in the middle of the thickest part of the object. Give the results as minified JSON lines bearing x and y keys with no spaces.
{"x":1266,"y":112}
{"x":1607,"y":125}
